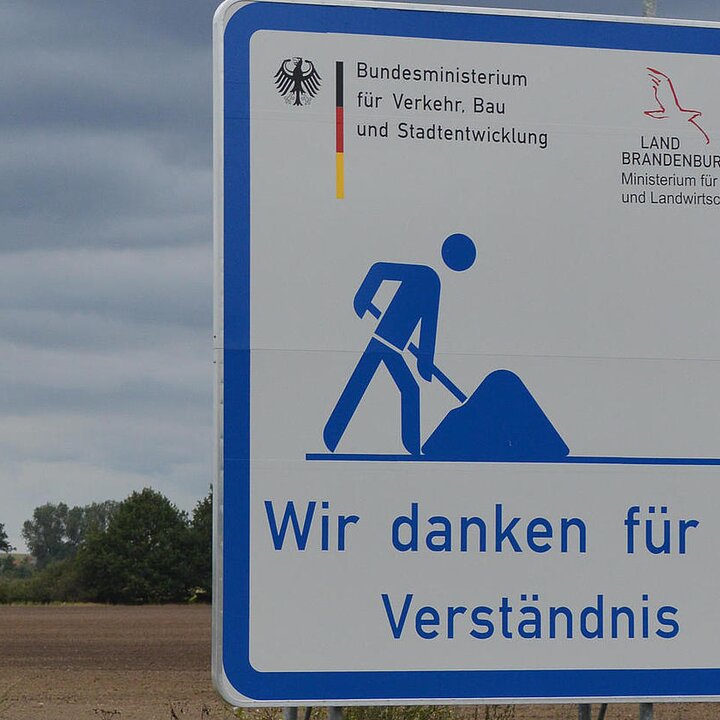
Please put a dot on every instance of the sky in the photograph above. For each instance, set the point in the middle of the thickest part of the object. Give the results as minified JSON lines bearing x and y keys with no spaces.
{"x":106,"y":377}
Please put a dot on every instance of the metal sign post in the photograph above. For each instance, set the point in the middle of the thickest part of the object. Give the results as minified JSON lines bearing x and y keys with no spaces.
{"x":649,"y":10}
{"x":468,"y":373}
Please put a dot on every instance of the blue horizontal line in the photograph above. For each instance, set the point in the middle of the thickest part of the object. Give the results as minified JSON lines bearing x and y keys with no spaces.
{"x":639,"y":461}
{"x":570,"y":460}
{"x":349,"y":457}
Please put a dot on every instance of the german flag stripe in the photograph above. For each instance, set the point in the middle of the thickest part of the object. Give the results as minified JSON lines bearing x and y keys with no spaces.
{"x":339,"y":131}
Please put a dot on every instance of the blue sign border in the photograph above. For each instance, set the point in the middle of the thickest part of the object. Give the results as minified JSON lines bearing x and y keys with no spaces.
{"x":397,"y":685}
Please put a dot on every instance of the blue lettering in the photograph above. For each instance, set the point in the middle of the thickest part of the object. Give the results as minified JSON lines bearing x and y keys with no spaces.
{"x":290,"y":516}
{"x":487,"y":628}
{"x":396,"y":626}
{"x":412,"y":522}
{"x":539,"y":528}
{"x":427,"y":617}
{"x":505,"y":533}
{"x":662,"y":614}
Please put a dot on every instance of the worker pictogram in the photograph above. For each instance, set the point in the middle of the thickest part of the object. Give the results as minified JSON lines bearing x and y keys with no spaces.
{"x":500,"y":420}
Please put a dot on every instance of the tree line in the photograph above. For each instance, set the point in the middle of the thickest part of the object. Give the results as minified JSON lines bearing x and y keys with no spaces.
{"x":140,"y":550}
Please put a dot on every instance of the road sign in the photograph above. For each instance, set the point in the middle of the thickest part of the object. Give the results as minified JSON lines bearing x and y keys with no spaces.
{"x":468,"y":360}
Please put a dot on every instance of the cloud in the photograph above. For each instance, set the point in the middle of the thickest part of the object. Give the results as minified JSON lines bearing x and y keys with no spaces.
{"x":105,"y":124}
{"x":105,"y":252}
{"x":160,"y":285}
{"x":105,"y":246}
{"x":148,"y":89}
{"x":93,"y":189}
{"x":153,"y":445}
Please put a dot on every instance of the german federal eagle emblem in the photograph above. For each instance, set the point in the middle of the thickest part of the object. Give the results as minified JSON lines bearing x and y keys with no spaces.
{"x":297,"y":81}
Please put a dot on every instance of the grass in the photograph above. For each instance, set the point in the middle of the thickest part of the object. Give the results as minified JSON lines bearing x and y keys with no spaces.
{"x":389,"y":712}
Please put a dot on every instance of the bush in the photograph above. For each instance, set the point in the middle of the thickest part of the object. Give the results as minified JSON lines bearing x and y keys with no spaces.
{"x":142,"y":557}
{"x":142,"y":550}
{"x":201,"y":532}
{"x":58,"y":582}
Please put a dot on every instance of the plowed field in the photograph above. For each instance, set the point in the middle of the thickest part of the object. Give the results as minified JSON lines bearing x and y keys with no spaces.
{"x":153,"y":663}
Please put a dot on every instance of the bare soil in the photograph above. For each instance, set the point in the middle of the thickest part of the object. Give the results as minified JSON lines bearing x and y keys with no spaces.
{"x":106,"y":663}
{"x":90,"y":662}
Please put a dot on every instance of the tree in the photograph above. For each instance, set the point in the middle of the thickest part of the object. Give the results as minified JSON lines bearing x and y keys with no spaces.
{"x":82,"y":520}
{"x":4,"y":542}
{"x":56,"y":531}
{"x":142,"y":556}
{"x":45,"y":534}
{"x":201,"y":533}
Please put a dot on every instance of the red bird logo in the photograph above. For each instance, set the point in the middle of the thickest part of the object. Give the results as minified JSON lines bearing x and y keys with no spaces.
{"x":668,"y":103}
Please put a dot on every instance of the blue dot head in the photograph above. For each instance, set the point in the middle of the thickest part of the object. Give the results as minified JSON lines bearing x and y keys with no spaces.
{"x":458,"y":252}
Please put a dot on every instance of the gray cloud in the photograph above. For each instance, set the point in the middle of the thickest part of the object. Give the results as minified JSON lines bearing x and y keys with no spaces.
{"x":106,"y":124}
{"x":159,"y":285}
{"x":105,"y":252}
{"x":90,"y":188}
{"x":85,"y":329}
{"x":112,"y":442}
{"x":130,"y":23}
{"x":80,"y":88}
{"x":105,"y":245}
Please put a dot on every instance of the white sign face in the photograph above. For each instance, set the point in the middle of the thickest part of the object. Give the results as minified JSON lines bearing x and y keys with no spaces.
{"x":468,"y":339}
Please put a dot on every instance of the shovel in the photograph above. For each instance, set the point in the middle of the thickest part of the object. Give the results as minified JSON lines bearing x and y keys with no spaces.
{"x":501,"y":421}
{"x":436,"y":371}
